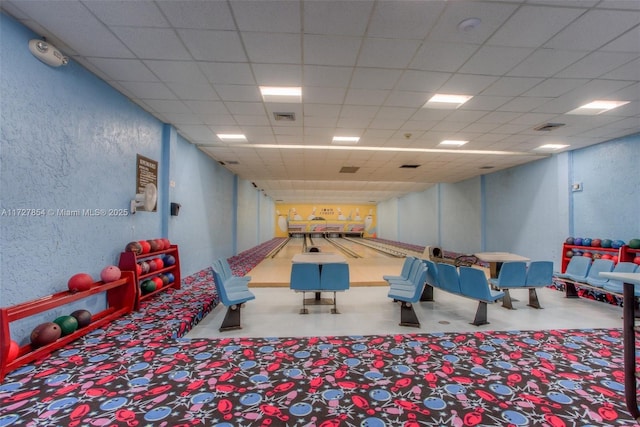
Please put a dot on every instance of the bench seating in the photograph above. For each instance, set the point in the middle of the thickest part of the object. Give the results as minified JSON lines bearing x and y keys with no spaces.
{"x":595,"y":282}
{"x":233,"y":292}
{"x":470,"y":283}
{"x":589,"y":273}
{"x":311,"y":277}
{"x":516,"y":275}
{"x":408,"y":292}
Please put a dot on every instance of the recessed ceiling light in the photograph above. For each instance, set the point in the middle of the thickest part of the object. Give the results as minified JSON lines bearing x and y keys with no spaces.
{"x":453,"y":143}
{"x":552,"y":147}
{"x":346,"y":139}
{"x":231,"y":137}
{"x":597,"y":107}
{"x":281,"y":94}
{"x":442,"y":100}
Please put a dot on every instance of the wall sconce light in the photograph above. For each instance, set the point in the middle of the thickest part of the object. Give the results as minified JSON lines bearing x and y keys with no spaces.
{"x":47,"y":53}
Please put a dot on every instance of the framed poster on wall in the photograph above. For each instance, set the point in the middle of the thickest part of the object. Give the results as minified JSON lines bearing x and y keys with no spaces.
{"x":146,"y":175}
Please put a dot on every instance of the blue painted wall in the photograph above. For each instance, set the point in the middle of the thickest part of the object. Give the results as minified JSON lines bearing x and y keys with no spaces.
{"x":419,"y":214}
{"x":248,"y":207}
{"x":460,"y":218}
{"x":608,"y":207}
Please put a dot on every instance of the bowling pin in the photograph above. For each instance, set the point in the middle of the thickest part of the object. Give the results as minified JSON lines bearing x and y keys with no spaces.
{"x":282,"y":222}
{"x":368,"y":221}
{"x":357,"y":217}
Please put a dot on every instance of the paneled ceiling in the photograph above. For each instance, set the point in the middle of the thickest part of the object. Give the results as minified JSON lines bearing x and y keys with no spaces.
{"x":365,"y":69}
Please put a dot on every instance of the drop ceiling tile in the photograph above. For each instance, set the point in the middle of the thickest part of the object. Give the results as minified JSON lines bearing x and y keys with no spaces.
{"x":153,"y":43}
{"x":511,"y":86}
{"x":336,"y":17}
{"x":197,"y":133}
{"x":596,"y":64}
{"x":533,"y":119}
{"x":326,"y":76}
{"x":246,"y":108}
{"x":395,"y":113}
{"x":523,"y":104}
{"x":532,"y":26}
{"x":385,"y":123}
{"x":220,"y":120}
{"x":555,"y":87}
{"x":405,"y":20}
{"x":629,"y":71}
{"x":495,"y":60}
{"x":498,"y":117}
{"x":424,"y":81}
{"x":365,"y":96}
{"x":406,"y":99}
{"x":330,"y":50}
{"x":249,"y":120}
{"x":193,"y":91}
{"x":238,"y":93}
{"x":273,"y":16}
{"x":207,"y":108}
{"x":221,"y":46}
{"x":167,"y":106}
{"x":628,"y":42}
{"x":441,"y":56}
{"x":492,"y":16}
{"x":127,"y":13}
{"x":213,"y":15}
{"x":320,"y":121}
{"x":228,"y":73}
{"x":467,"y":84}
{"x":148,"y":90}
{"x":484,"y":103}
{"x":353,"y":123}
{"x":594,"y":29}
{"x":546,"y":62}
{"x":374,"y":78}
{"x":176,"y":71}
{"x":124,"y":69}
{"x":278,"y":74}
{"x":480,"y":127}
{"x":183,"y":119}
{"x":273,"y":47}
{"x":387,"y":53}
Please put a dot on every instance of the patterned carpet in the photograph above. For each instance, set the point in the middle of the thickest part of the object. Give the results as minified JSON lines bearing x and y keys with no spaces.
{"x":138,"y":371}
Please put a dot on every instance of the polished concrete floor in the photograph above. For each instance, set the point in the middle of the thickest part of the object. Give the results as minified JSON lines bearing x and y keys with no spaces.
{"x":368,"y":311}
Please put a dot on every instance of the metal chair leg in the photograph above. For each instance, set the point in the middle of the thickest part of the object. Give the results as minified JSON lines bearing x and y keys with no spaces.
{"x":481,"y":314}
{"x":533,"y":298}
{"x":408,"y":315}
{"x":231,"y":319}
{"x":506,"y":300}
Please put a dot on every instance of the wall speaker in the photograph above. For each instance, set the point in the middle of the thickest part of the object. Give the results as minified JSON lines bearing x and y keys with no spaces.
{"x":175,"y":209}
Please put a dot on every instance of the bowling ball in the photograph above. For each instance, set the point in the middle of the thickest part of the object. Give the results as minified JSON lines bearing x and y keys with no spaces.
{"x":147,"y":286}
{"x":80,"y":282}
{"x":614,"y":259}
{"x":158,"y":281}
{"x":144,"y":265}
{"x":152,"y":265}
{"x":159,"y":263}
{"x":154,"y":245}
{"x":133,"y":247}
{"x":617,"y":243}
{"x":138,"y":269}
{"x":606,"y":256}
{"x":165,"y":279}
{"x":68,"y":324}
{"x":160,"y":244}
{"x":577,"y":253}
{"x":14,"y":351}
{"x":596,"y":243}
{"x":171,"y":277}
{"x":569,"y":254}
{"x":83,"y":317}
{"x":587,"y":254}
{"x":634,"y":243}
{"x":146,"y":247}
{"x":569,"y":241}
{"x":110,"y":273}
{"x":45,"y":333}
{"x":636,"y":260}
{"x":597,"y":255}
{"x":169,"y":260}
{"x":577,"y":241}
{"x":586,"y":241}
{"x":606,"y":243}
{"x":167,"y":243}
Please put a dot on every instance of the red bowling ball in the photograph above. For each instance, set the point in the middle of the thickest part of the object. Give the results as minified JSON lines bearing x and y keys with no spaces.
{"x":80,"y":282}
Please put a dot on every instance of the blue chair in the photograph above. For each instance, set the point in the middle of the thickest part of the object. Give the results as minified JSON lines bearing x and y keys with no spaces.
{"x":408,"y":296}
{"x":577,"y":269}
{"x":232,"y":297}
{"x":598,"y":266}
{"x":539,"y":275}
{"x":448,"y":278}
{"x":305,"y":277}
{"x":334,"y":277}
{"x":616,"y":286}
{"x":404,"y":273}
{"x":225,"y":270}
{"x":513,"y":274}
{"x":431,"y":280}
{"x":415,"y":267}
{"x":474,"y":284}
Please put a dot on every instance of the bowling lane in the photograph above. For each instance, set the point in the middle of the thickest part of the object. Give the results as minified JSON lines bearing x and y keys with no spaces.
{"x":294,"y":246}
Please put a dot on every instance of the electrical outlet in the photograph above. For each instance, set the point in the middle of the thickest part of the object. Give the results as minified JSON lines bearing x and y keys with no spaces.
{"x":576,"y":187}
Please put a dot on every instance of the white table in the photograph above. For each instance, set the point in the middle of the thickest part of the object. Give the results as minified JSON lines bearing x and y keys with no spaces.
{"x":495,"y":260}
{"x":633,"y":278}
{"x":318,"y":258}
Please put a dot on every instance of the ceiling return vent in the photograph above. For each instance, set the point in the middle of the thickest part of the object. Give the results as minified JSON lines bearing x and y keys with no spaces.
{"x":409,"y":166}
{"x":547,"y":127}
{"x":284,"y":117}
{"x":349,"y":169}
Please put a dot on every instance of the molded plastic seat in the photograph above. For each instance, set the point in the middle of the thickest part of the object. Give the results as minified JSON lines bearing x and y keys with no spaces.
{"x":616,"y":285}
{"x":415,"y":267}
{"x":448,"y":278}
{"x":305,"y":277}
{"x":431,"y":281}
{"x":577,"y":269}
{"x":334,"y":277}
{"x":409,"y":295}
{"x":474,"y":284}
{"x":607,"y":265}
{"x":513,"y":274}
{"x":225,"y":270}
{"x":231,"y":296}
{"x":539,"y":274}
{"x":404,"y":273}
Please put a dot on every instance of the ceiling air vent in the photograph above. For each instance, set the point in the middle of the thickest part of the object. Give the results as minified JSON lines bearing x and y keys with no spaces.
{"x":285,"y":117}
{"x":349,"y":169}
{"x":409,"y":166}
{"x":547,"y":127}
{"x":232,"y":162}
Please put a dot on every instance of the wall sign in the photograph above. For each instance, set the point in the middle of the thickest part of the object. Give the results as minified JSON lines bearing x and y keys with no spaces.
{"x":146,"y":173}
